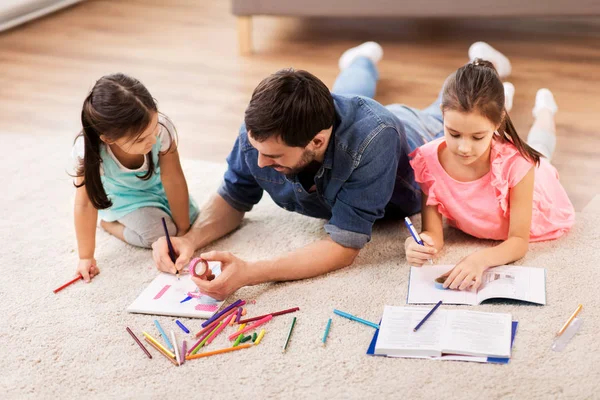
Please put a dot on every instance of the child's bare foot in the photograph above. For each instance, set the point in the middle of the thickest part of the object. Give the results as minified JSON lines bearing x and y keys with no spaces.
{"x":115,"y":228}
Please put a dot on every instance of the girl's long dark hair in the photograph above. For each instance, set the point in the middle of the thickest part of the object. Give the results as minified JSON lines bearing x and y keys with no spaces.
{"x":476,"y":87}
{"x":118,"y":106}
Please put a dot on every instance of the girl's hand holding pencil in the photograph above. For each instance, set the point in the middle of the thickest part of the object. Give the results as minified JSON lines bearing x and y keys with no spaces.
{"x":87,"y":268}
{"x":417,"y":254}
{"x":184,"y":250}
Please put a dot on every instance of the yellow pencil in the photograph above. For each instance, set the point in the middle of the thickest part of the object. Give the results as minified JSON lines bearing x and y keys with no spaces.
{"x":566,"y":325}
{"x":220,"y":351}
{"x":159,"y":345}
{"x":151,"y":343}
{"x":260,"y":336}
{"x":242,"y":326}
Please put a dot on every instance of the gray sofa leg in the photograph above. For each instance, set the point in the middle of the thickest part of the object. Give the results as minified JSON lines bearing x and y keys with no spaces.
{"x":244,"y":27}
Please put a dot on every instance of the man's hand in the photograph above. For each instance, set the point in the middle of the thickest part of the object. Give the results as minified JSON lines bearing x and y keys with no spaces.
{"x":234,"y":275}
{"x":160,"y":253}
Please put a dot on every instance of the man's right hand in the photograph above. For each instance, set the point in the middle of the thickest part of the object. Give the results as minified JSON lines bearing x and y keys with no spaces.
{"x":160,"y":253}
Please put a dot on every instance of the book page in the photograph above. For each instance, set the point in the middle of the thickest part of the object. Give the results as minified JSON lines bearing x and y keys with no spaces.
{"x":422,"y":290}
{"x":475,"y":333}
{"x":514,"y":282}
{"x":396,"y":336}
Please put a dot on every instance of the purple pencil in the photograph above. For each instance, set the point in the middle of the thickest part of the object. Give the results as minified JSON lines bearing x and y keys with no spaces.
{"x":183,"y":349}
{"x":238,"y":316}
{"x":217,"y":315}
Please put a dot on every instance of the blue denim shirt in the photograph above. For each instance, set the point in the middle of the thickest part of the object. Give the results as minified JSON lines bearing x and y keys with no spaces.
{"x":365,"y":171}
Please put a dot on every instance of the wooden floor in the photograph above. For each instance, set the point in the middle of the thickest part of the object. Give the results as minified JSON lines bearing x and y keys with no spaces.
{"x":186,"y":54}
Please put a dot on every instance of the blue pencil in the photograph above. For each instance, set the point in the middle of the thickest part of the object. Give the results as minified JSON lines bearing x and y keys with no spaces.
{"x":428,"y":315}
{"x":326,"y":331}
{"x":164,"y":335}
{"x":353,"y":318}
{"x":182,"y":326}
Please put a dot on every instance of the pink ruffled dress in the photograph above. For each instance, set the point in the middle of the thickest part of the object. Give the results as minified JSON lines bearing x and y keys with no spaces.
{"x":481,"y":207}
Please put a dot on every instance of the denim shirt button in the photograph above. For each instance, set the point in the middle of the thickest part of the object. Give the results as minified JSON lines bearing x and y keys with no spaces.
{"x":299,"y":190}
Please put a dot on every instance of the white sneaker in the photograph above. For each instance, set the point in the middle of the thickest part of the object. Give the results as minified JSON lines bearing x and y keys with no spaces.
{"x":509,"y":94}
{"x":371,"y":50}
{"x":544,"y":99}
{"x":486,"y":52}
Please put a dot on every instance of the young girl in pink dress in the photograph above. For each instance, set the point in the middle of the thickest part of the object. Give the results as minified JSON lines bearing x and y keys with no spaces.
{"x":484,"y":180}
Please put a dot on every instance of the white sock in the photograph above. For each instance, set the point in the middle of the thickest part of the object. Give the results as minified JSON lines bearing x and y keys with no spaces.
{"x":486,"y":52}
{"x":371,"y":50}
{"x":544,"y":99}
{"x":509,"y":94}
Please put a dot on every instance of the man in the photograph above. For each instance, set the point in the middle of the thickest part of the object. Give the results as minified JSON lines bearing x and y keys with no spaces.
{"x":340,"y":158}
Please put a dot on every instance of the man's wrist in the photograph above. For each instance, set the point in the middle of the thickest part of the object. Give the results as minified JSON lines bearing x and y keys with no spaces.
{"x":255,"y":272}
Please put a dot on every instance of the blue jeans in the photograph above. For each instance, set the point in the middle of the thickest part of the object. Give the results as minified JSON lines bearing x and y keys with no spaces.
{"x":421,"y":126}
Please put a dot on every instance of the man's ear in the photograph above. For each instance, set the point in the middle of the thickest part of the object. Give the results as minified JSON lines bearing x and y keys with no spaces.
{"x":321,"y":139}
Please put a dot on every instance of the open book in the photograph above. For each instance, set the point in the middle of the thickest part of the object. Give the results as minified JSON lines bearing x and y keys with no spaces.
{"x":167,"y":295}
{"x":456,"y":332}
{"x":504,"y":282}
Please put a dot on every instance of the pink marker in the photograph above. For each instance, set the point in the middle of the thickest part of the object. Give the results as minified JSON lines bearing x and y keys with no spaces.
{"x":253,"y":326}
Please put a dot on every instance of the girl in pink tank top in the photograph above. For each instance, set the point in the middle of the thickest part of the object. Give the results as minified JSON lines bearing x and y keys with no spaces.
{"x":484,"y":180}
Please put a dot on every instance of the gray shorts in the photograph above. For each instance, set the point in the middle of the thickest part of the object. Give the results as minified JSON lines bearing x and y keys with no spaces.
{"x":144,"y":226}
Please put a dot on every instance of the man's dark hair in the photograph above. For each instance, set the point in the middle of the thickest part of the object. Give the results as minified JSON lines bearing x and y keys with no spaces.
{"x":294,"y":105}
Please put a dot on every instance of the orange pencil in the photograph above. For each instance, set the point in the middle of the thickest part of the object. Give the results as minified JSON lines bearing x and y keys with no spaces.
{"x":220,"y":351}
{"x":161,"y":352}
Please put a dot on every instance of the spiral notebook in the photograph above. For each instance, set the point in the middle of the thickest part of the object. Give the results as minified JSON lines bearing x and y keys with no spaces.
{"x":168,"y":295}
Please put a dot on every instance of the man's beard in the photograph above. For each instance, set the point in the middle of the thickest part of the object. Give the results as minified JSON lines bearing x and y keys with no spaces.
{"x":308,"y":156}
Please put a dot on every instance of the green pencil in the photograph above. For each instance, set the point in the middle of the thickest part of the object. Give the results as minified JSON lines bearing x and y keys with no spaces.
{"x":289,"y":335}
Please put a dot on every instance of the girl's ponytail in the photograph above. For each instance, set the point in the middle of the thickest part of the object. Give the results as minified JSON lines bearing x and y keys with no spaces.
{"x":511,"y":135}
{"x":90,"y":167}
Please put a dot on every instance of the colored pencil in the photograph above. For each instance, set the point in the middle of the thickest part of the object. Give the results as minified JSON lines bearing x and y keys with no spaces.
{"x":176,"y":348}
{"x":326,"y":331}
{"x":571,"y":318}
{"x":287,"y":340}
{"x":197,"y":344}
{"x":67,"y":284}
{"x":214,"y":323}
{"x":353,"y":318}
{"x":172,"y":255}
{"x":202,"y":343}
{"x":290,"y":310}
{"x":138,"y":342}
{"x":239,"y":314}
{"x":219,"y":330}
{"x":164,"y":335}
{"x":158,"y":344}
{"x":161,"y":351}
{"x":253,"y":326}
{"x":260,"y":336}
{"x":182,"y":326}
{"x":220,"y":313}
{"x":439,"y":303}
{"x":183,"y":350}
{"x":220,"y":351}
{"x":238,"y":340}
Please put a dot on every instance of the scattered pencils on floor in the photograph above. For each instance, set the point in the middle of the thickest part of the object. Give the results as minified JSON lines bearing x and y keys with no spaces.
{"x":246,"y":334}
{"x":287,"y":340}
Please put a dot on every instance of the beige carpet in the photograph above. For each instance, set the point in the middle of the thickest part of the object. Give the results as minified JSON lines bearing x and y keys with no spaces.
{"x":74,"y":344}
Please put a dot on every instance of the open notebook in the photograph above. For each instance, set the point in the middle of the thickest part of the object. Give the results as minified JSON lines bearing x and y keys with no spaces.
{"x":508,"y":282}
{"x":447,"y":335}
{"x":167,"y":295}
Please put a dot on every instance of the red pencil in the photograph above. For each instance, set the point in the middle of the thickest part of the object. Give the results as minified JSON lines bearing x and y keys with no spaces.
{"x":67,"y":284}
{"x":290,"y":310}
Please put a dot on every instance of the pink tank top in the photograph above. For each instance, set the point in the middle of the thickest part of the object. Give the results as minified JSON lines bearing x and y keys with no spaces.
{"x":481,"y":207}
